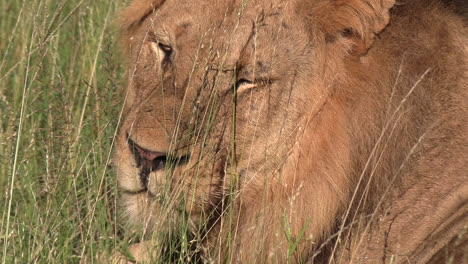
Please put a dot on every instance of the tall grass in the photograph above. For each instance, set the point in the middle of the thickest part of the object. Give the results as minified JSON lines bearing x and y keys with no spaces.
{"x":60,"y":98}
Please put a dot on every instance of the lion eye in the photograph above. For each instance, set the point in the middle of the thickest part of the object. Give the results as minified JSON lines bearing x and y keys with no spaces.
{"x":163,"y":51}
{"x":244,"y":84}
{"x":165,"y":48}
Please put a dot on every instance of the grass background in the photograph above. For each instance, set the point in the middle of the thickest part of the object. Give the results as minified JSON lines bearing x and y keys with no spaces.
{"x":61,"y":90}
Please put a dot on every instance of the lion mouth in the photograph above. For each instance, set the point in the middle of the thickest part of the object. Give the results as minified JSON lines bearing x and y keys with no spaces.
{"x":152,"y":161}
{"x":147,"y":161}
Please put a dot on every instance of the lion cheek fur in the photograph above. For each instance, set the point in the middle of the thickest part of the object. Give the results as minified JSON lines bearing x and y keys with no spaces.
{"x":140,"y":210}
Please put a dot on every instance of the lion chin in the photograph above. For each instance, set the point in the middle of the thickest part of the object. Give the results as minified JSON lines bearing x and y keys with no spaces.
{"x":269,"y":131}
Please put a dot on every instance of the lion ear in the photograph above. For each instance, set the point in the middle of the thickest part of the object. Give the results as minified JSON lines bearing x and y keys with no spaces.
{"x":355,"y":20}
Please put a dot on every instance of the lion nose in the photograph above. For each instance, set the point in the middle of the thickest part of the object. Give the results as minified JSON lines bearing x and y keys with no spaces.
{"x":147,"y":160}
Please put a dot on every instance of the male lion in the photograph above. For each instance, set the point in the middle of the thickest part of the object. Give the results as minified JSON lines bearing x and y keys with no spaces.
{"x":320,"y":131}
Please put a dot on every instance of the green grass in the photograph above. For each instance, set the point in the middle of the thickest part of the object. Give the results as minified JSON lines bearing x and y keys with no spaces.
{"x":61,"y":90}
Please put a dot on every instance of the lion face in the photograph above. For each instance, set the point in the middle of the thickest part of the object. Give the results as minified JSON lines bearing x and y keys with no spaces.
{"x":201,"y":116}
{"x":268,"y":125}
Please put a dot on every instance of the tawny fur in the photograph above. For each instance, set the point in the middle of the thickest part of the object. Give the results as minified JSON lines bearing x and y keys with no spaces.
{"x":350,"y":132}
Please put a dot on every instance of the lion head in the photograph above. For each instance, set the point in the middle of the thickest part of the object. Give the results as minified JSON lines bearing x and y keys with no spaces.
{"x":275,"y":131}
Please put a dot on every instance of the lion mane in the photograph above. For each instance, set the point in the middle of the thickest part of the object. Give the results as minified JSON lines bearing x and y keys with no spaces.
{"x":318,"y":131}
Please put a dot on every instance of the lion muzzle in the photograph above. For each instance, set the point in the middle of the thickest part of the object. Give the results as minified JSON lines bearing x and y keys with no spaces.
{"x":147,"y":160}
